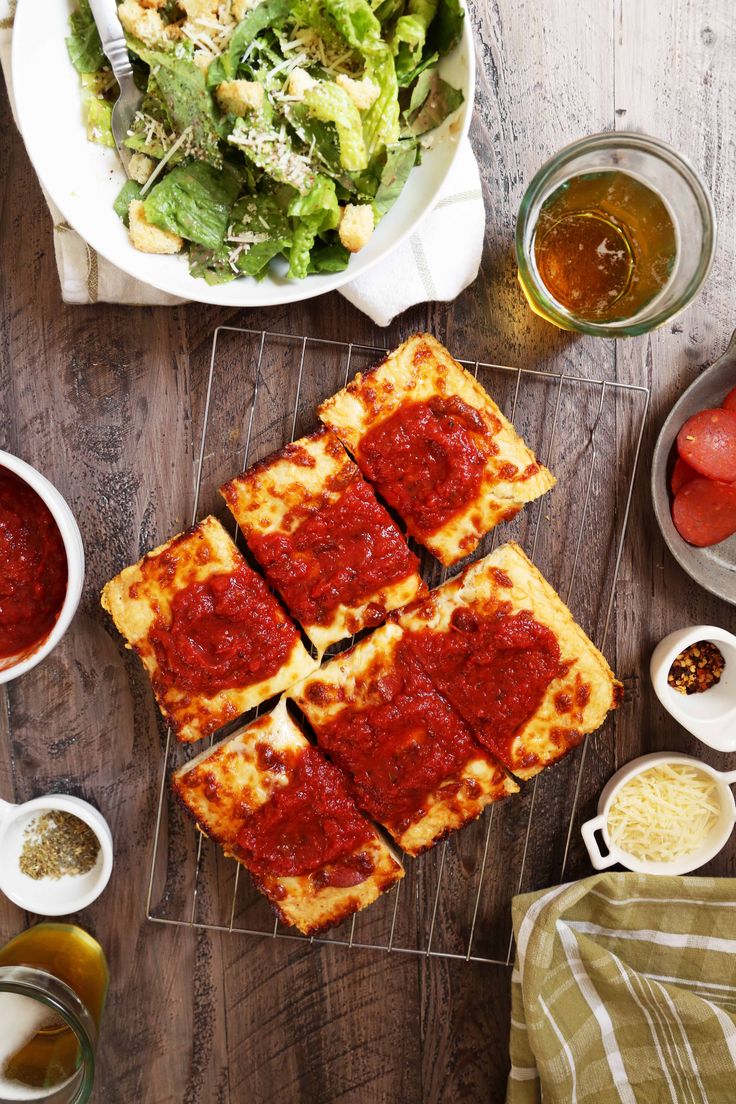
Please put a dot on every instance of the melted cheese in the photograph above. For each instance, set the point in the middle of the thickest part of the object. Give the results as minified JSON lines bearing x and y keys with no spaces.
{"x":664,"y":813}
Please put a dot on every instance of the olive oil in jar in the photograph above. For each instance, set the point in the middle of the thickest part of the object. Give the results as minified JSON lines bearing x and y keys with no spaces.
{"x":605,"y":246}
{"x":39,"y":1052}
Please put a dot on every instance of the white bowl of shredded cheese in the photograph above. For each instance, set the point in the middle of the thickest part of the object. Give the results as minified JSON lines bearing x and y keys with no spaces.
{"x":662,"y":814}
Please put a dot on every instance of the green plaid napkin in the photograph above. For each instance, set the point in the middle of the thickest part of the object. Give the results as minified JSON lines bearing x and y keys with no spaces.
{"x":624,"y":991}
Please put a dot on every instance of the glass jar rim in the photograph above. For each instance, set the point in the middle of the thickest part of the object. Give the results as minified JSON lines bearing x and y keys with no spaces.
{"x":528,"y":208}
{"x":28,"y":981}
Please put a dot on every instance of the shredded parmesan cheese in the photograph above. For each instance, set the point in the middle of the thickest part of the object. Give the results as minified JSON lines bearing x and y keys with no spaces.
{"x":183,"y":137}
{"x":664,"y":813}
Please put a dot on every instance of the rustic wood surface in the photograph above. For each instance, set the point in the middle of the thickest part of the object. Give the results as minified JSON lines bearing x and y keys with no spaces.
{"x":107,"y":402}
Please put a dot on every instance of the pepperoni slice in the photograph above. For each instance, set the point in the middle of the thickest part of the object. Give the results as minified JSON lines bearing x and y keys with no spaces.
{"x":729,"y":403}
{"x":704,"y":512}
{"x":707,"y":442}
{"x":682,"y":473}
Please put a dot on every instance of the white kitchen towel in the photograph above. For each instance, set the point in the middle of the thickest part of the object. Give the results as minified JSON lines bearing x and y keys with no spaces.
{"x":440,"y":259}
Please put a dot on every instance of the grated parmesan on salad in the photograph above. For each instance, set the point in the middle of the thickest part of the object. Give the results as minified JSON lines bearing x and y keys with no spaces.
{"x":664,"y":813}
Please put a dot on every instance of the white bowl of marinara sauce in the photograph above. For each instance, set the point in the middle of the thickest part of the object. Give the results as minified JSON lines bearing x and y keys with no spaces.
{"x":33,"y":548}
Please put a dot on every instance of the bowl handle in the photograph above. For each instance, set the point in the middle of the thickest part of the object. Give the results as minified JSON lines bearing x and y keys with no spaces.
{"x":729,"y":777}
{"x":588,"y":831}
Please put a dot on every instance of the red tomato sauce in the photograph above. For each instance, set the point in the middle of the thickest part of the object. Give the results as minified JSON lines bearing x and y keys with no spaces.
{"x":226,"y":631}
{"x":310,"y":824}
{"x":427,"y":460}
{"x":33,"y":572}
{"x":339,"y":555}
{"x":401,"y":749}
{"x":493,"y":668}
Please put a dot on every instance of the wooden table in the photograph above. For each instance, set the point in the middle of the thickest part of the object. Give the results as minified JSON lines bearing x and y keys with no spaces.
{"x":101,"y":399}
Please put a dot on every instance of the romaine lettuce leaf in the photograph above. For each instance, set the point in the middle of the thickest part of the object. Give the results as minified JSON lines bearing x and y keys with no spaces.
{"x":181,"y":87}
{"x":410,"y":34}
{"x":98,"y":121}
{"x":130,"y":190}
{"x":211,"y":265}
{"x":331,"y":104}
{"x":272,"y":151}
{"x":400,"y":160}
{"x":328,"y":258}
{"x":259,"y":230}
{"x":267,"y":14}
{"x":357,"y":24}
{"x":440,"y":101}
{"x":194,"y":201}
{"x":311,"y":214}
{"x":447,"y":27}
{"x":83,"y":44}
{"x":381,"y":121}
{"x":387,"y":10}
{"x":264,"y":229}
{"x":407,"y":78}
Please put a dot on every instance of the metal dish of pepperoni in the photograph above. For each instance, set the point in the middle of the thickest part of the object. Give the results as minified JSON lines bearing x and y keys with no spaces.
{"x":694,"y":478}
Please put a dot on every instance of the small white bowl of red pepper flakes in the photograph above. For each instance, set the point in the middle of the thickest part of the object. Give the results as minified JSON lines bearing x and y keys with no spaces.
{"x":694,"y":676}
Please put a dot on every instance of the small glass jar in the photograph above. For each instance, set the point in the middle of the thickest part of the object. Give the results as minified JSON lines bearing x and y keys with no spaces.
{"x":53,"y":983}
{"x":668,"y":175}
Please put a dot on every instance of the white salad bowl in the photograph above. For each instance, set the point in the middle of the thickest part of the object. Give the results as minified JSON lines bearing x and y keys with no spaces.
{"x":11,"y":668}
{"x":83,"y":179}
{"x":716,"y":839}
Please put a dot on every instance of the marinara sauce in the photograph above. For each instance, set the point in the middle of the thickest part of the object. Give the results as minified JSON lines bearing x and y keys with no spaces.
{"x":339,"y":555}
{"x":403,"y":747}
{"x":493,"y":668}
{"x":427,"y":459}
{"x":33,"y":578}
{"x":226,"y":631}
{"x":309,"y":824}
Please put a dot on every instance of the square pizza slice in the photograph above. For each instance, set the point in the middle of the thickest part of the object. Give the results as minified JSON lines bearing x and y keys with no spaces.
{"x":502,"y":647}
{"x":414,"y":765}
{"x":273,"y":802}
{"x":436,"y":446}
{"x":326,"y":544}
{"x":212,"y":637}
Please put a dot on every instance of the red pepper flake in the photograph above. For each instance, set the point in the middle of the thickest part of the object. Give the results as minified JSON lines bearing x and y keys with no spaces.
{"x":697,"y":668}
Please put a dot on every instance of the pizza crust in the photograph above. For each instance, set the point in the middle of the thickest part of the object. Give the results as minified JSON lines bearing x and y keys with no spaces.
{"x":142,"y":594}
{"x":277,"y":494}
{"x":226,"y":783}
{"x":420,"y":370}
{"x":358,"y":680}
{"x":576,"y":702}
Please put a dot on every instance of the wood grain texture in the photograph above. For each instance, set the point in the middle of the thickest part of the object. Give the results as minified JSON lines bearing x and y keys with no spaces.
{"x":107,"y":401}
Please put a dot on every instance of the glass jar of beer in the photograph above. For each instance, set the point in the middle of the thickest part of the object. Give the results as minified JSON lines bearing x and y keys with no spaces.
{"x":615,"y":235}
{"x":53,"y":983}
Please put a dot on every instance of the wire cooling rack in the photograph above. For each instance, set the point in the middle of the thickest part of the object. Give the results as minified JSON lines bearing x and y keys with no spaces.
{"x":262,"y":391}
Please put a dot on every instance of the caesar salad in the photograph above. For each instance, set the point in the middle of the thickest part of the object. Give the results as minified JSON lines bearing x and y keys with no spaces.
{"x":269,"y":129}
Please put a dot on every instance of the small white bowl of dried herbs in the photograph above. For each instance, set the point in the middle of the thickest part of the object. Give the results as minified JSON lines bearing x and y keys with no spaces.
{"x":55,"y":854}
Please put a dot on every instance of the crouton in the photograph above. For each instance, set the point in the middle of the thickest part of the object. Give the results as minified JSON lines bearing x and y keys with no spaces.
{"x":152,"y":3}
{"x":240,"y":8}
{"x":363,"y":93}
{"x":148,"y":238}
{"x":299,"y":82}
{"x":356,"y":225}
{"x":140,"y":167}
{"x":143,"y":23}
{"x":238,"y":97}
{"x":195,"y":9}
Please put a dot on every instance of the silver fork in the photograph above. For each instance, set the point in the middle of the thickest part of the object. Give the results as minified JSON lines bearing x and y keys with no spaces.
{"x":128,"y":102}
